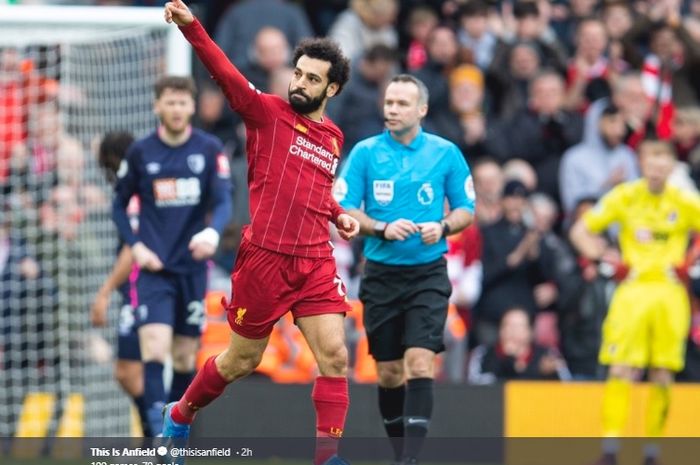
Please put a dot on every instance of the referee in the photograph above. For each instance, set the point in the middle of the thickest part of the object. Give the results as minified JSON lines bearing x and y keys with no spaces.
{"x":403,"y":177}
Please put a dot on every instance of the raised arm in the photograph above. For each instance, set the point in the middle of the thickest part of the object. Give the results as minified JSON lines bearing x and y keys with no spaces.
{"x":241,"y":95}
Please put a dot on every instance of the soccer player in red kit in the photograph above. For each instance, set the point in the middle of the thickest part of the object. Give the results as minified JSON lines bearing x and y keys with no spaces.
{"x":285,"y":259}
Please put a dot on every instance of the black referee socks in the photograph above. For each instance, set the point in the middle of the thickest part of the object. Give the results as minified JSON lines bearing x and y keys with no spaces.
{"x":391,"y":402}
{"x":418,"y":409}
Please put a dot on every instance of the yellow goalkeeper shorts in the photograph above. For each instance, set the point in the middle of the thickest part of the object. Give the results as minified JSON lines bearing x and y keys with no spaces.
{"x":647,"y":325}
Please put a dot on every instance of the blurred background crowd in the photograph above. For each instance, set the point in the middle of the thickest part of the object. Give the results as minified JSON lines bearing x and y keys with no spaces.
{"x":548,"y":101}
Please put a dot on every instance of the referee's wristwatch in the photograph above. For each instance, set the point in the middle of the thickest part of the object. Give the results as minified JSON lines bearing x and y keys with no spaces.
{"x":445,"y":228}
{"x":380,"y":229}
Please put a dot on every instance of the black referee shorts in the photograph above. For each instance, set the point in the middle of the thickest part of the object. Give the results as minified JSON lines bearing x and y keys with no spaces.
{"x":404,"y":306}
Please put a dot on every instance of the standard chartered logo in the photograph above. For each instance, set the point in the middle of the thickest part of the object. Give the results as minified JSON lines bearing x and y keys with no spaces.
{"x":316,"y":154}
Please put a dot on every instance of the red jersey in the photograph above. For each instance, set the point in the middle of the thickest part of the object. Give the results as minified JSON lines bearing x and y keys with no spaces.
{"x":291,"y":161}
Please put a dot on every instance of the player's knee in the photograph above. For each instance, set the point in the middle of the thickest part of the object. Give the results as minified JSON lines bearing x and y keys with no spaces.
{"x":421,"y":370}
{"x":622,"y":372}
{"x":660,"y":376}
{"x":155,"y":350}
{"x":334,"y":360}
{"x":419,"y":367}
{"x":233,"y":366}
{"x":130,"y":379}
{"x":121,"y":375}
{"x":155,"y":355}
{"x":184,"y":362}
{"x":390,"y":374}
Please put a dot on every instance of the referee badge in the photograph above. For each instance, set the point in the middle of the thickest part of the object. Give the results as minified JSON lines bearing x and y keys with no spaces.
{"x":383,"y":191}
{"x":426,"y":195}
{"x":469,"y":188}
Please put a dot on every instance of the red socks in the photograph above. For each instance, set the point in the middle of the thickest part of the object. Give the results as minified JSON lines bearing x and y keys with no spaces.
{"x":330,"y":398}
{"x":331,"y":401}
{"x":206,"y":386}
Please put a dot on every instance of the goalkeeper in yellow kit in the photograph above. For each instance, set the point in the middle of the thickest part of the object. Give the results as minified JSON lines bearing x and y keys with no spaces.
{"x":649,"y":316}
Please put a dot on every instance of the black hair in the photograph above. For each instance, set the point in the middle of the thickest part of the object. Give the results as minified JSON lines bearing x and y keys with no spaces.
{"x":473,"y":8}
{"x":380,"y":52}
{"x":326,"y":50}
{"x":112,"y":151}
{"x":524,"y":8}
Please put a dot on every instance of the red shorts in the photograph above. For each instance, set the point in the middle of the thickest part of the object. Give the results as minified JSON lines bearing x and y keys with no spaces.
{"x":266,"y":285}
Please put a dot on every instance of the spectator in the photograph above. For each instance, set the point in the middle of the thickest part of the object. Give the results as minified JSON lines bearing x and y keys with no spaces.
{"x":541,"y":133}
{"x":508,"y":87}
{"x":515,"y":356}
{"x":545,"y":216}
{"x":567,"y":16}
{"x":522,"y":171}
{"x":421,"y":21}
{"x":21,"y":88}
{"x":270,"y":52}
{"x":629,"y":96}
{"x":364,"y":24}
{"x":358,"y":110}
{"x":671,"y":66}
{"x":465,"y":270}
{"x":583,"y":306}
{"x":241,"y":22}
{"x":214,"y":116}
{"x":19,"y":272}
{"x":58,"y":161}
{"x":692,"y":20}
{"x":279,"y":82}
{"x":686,"y":133}
{"x":488,"y":183}
{"x":528,"y":27}
{"x":442,"y":58}
{"x":465,"y":123}
{"x":510,"y":257}
{"x":28,"y":304}
{"x":601,"y":161}
{"x":617,"y":19}
{"x":322,"y":13}
{"x":474,"y":34}
{"x":588,"y":69}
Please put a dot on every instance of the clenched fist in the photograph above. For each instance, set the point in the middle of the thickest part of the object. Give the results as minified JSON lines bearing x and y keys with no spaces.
{"x":178,"y":13}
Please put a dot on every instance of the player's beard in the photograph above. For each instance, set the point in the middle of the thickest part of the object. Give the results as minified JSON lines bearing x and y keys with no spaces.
{"x":310,"y":105}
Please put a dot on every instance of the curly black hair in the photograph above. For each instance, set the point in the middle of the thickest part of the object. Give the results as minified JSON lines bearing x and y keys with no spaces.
{"x":112,"y":151}
{"x":326,"y":50}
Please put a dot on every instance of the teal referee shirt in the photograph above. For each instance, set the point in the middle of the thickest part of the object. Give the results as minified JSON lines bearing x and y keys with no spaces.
{"x":412,"y":181}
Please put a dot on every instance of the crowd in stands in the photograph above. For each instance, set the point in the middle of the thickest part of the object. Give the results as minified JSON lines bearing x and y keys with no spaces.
{"x":548,"y":101}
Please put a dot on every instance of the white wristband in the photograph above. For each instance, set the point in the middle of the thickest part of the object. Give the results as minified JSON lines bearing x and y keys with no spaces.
{"x":208,"y":235}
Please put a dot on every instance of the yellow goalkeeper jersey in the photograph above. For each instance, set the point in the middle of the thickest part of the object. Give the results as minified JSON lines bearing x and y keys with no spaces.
{"x":654,"y":229}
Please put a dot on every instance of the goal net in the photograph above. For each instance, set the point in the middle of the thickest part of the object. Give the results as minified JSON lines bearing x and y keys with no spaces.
{"x":67,"y":76}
